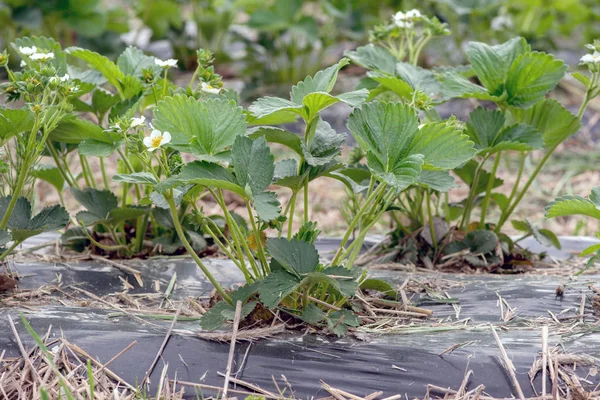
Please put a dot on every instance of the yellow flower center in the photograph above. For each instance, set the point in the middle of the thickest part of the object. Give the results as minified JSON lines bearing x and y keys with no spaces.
{"x":156,"y":141}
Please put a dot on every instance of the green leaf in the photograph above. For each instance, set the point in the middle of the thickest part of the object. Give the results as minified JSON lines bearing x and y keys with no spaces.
{"x":212,"y":124}
{"x":205,"y":174}
{"x":590,"y":250}
{"x":50,"y":174}
{"x":145,"y":178}
{"x":485,"y":127}
{"x":572,"y":205}
{"x":253,"y":163}
{"x":133,"y":61}
{"x":442,"y":146}
{"x":277,"y":135}
{"x":531,"y":76}
{"x":118,"y":215}
{"x":325,"y":146}
{"x":74,"y":130}
{"x":323,"y":81}
{"x":393,"y":84}
{"x":13,"y":122}
{"x":295,"y":256}
{"x":95,"y":148}
{"x":374,"y":58}
{"x":345,"y":279}
{"x":522,"y":226}
{"x":312,"y":314}
{"x":267,"y":206}
{"x":481,"y":241}
{"x":586,"y":80}
{"x":277,"y":109}
{"x":109,"y":70}
{"x":339,"y":321}
{"x":4,"y":238}
{"x":98,"y":204}
{"x":440,"y":181}
{"x":22,"y":226}
{"x":276,"y":286}
{"x":102,"y":101}
{"x":214,"y":319}
{"x":492,"y":63}
{"x":385,"y":131}
{"x":379,"y":285}
{"x":550,"y":118}
{"x":467,"y":172}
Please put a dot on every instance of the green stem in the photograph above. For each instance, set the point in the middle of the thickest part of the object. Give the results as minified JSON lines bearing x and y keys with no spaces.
{"x":472,"y":193}
{"x":15,"y":196}
{"x":9,"y":250}
{"x":291,"y":216}
{"x":488,"y":191}
{"x":104,"y":176}
{"x":305,"y":198}
{"x":257,"y":238}
{"x":355,"y":221}
{"x":190,"y":249}
{"x":430,"y":217}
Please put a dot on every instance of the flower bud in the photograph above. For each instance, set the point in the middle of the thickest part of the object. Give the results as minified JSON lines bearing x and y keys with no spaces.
{"x":3,"y":59}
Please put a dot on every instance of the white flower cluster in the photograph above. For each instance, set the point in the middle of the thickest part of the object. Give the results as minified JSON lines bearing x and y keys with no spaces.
{"x":170,"y":63}
{"x":407,"y":19}
{"x":593,"y":58}
{"x":33,"y":53}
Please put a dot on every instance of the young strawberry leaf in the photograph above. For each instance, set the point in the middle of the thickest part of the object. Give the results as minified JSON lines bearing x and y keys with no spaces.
{"x":277,"y":135}
{"x":102,"y":207}
{"x":133,"y":61}
{"x":531,"y":76}
{"x":486,"y":129}
{"x":340,"y":321}
{"x":307,"y":99}
{"x":550,"y":118}
{"x":374,"y":58}
{"x":325,"y":146}
{"x":440,"y":181}
{"x":492,"y":63}
{"x":297,"y":257}
{"x":204,"y":128}
{"x":267,"y":206}
{"x":442,"y":146}
{"x":276,"y":286}
{"x":109,"y":70}
{"x":575,"y":205}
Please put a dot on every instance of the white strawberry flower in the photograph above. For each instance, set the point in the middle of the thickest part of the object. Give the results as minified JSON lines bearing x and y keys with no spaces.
{"x":42,"y":56}
{"x":27,"y":51}
{"x":413,"y":14}
{"x":207,"y":88}
{"x":156,"y":139}
{"x":401,"y":20}
{"x":23,"y":64}
{"x":171,"y":62}
{"x":65,"y":78}
{"x":591,"y":58}
{"x":135,"y":122}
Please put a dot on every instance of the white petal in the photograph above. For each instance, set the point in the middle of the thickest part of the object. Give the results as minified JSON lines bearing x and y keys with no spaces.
{"x":156,"y":134}
{"x":166,"y":138}
{"x":152,"y":148}
{"x":148,"y":141}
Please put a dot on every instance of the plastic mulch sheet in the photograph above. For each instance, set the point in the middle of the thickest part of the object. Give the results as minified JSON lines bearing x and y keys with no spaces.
{"x":403,"y":362}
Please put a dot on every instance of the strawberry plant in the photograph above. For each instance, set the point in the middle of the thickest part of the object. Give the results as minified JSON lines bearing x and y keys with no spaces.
{"x":515,"y":80}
